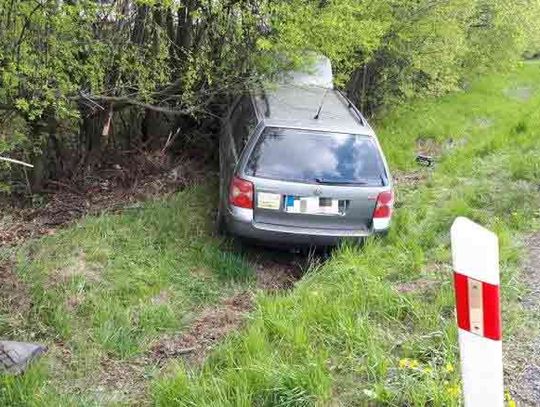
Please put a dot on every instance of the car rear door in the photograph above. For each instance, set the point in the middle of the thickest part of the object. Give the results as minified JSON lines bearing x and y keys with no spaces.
{"x":240,"y":124}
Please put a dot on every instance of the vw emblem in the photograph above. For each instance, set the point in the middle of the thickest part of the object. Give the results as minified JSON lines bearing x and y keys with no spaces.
{"x":317,"y":191}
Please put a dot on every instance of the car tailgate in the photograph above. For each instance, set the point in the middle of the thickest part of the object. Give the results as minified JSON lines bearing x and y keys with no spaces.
{"x":314,"y":206}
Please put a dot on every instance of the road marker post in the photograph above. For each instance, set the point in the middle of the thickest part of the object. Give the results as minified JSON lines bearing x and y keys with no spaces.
{"x":475,"y":254}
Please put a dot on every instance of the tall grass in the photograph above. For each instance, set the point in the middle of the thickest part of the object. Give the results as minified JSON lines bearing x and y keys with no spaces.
{"x":375,"y":325}
{"x":108,"y":287}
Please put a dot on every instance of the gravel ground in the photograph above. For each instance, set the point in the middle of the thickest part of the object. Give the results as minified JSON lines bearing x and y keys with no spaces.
{"x":522,"y":354}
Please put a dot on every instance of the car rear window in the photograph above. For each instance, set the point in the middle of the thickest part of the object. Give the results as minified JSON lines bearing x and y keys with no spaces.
{"x":316,"y":157}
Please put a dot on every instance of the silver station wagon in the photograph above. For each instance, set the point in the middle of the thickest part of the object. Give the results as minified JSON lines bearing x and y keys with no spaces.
{"x":300,"y":165}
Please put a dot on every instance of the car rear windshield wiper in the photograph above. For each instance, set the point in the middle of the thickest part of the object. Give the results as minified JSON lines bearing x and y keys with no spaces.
{"x":336,"y":182}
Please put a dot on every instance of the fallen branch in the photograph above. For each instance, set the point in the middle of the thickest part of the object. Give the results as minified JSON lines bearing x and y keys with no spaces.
{"x":134,"y":102}
{"x":185,"y":350}
{"x":12,"y":160}
{"x":170,"y":139}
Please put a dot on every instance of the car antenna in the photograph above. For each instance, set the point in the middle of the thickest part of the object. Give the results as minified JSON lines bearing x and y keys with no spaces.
{"x":321,"y":105}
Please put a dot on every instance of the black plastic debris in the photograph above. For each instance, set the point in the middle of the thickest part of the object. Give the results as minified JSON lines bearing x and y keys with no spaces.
{"x":16,"y":356}
{"x":425,"y":160}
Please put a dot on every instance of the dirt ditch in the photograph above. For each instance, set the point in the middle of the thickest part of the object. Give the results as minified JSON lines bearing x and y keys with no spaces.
{"x":118,"y":185}
{"x":275,"y":271}
{"x":209,"y":328}
{"x":127,"y":381}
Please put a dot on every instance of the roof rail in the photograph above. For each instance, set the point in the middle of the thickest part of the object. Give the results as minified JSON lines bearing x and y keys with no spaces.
{"x":352,"y":107}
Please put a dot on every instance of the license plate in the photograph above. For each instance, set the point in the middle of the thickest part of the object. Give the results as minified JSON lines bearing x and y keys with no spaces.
{"x":312,"y":205}
{"x":266,"y":200}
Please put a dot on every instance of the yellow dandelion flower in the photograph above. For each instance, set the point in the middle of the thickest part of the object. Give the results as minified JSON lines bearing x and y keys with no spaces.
{"x":449,"y":367}
{"x":509,"y":400}
{"x":454,"y":390}
{"x":408,"y":363}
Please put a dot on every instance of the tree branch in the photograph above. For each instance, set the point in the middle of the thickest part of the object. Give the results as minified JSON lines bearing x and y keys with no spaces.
{"x":123,"y":100}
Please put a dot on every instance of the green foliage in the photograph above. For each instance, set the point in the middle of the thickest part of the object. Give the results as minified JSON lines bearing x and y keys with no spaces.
{"x":372,"y":325}
{"x":42,"y":48}
{"x":376,"y":324}
{"x":111,"y":286}
{"x":342,"y":30}
{"x":51,"y":51}
{"x":63,"y":63}
{"x":407,"y":48}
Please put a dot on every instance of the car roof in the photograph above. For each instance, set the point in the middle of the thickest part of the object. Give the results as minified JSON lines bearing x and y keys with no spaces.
{"x":296,"y":106}
{"x":317,"y":72}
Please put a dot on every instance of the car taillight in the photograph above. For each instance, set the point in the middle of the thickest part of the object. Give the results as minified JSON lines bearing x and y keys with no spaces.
{"x":241,"y":193}
{"x":385,"y":204}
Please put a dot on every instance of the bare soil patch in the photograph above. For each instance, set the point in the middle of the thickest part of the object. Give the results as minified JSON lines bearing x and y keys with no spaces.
{"x":90,"y":272}
{"x":410,"y":179}
{"x":118,"y":184}
{"x":522,"y":354}
{"x":14,"y":294}
{"x":119,"y":382}
{"x":276,"y":276}
{"x":211,"y":326}
{"x":277,"y":269}
{"x":112,"y":381}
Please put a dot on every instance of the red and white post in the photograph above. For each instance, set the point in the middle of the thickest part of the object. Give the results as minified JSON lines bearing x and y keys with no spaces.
{"x":475,"y":253}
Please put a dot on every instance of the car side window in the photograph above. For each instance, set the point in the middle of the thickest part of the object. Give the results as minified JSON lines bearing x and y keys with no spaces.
{"x":243,"y":122}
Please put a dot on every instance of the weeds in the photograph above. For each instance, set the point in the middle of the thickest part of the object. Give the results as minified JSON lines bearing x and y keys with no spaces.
{"x":373,"y":325}
{"x":347,"y":335}
{"x":110,"y":286}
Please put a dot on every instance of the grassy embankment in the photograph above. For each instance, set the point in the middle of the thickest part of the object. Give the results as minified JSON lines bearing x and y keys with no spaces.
{"x":103,"y":292}
{"x":374,"y":324}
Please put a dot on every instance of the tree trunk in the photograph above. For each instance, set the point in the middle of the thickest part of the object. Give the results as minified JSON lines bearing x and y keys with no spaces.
{"x":39,"y":157}
{"x":91,"y":130}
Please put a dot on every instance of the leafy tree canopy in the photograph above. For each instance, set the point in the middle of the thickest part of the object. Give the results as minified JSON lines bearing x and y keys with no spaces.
{"x":65,"y":63}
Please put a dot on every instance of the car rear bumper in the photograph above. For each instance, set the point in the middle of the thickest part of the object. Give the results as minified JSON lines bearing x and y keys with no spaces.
{"x":240,"y":223}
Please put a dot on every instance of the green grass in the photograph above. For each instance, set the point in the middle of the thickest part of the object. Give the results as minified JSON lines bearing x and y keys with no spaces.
{"x":351,"y":333}
{"x":108,"y":287}
{"x":373,"y":325}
